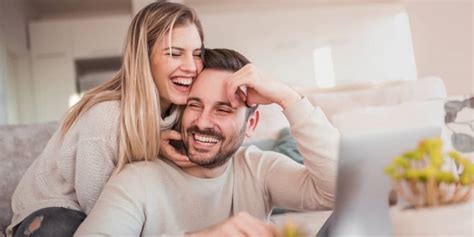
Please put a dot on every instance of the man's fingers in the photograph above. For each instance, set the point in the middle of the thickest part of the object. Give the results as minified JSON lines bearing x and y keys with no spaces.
{"x":273,"y":229}
{"x":252,"y":226}
{"x":247,"y":228}
{"x":242,"y":96}
{"x":233,"y":88}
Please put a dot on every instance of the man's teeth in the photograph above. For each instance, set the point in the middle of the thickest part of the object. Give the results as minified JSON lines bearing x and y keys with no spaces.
{"x":205,"y":139}
{"x":183,"y":81}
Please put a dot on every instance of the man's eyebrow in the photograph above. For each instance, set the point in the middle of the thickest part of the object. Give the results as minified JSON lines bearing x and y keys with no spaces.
{"x":193,"y":99}
{"x":222,"y":103}
{"x":227,"y":104}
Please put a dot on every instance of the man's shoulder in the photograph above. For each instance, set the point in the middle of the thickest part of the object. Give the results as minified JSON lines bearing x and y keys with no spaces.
{"x":136,"y":172}
{"x":253,"y":157}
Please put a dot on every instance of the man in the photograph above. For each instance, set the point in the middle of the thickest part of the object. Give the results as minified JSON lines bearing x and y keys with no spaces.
{"x":231,"y":191}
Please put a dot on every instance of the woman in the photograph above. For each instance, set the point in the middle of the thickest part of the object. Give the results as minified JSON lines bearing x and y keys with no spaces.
{"x":114,"y":124}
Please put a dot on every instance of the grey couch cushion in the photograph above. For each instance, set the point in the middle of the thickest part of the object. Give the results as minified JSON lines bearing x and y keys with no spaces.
{"x":19,"y":146}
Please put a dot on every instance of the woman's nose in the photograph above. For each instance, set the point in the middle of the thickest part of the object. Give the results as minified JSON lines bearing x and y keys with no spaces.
{"x":189,"y":64}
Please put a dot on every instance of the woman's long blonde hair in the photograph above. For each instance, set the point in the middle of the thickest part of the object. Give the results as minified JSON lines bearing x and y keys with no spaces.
{"x":134,"y":86}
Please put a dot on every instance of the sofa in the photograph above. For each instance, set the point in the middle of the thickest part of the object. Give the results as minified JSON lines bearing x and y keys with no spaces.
{"x":19,"y":146}
{"x":348,"y":107}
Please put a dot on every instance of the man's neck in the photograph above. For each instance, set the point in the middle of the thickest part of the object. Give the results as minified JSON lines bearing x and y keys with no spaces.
{"x":202,"y":172}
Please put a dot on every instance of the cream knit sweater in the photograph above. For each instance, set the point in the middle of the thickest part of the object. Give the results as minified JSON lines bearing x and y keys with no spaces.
{"x":159,"y":199}
{"x":71,"y":173}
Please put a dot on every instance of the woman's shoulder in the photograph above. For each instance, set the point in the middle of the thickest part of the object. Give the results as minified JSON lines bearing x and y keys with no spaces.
{"x":102,"y":119}
{"x":104,"y":109}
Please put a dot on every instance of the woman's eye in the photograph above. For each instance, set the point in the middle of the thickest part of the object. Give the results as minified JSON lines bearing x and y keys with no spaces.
{"x":174,"y":54}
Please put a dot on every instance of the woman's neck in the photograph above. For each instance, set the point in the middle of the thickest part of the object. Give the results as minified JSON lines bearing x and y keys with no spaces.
{"x":164,"y":106}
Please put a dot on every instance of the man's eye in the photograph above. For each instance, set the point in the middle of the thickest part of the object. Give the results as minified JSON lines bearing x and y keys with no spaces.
{"x":193,"y":105}
{"x":227,"y":111}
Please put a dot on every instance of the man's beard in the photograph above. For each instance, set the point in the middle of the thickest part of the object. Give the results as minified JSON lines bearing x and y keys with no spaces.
{"x":225,"y":152}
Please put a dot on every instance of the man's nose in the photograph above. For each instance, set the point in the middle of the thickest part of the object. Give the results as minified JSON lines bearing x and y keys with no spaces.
{"x":205,"y":121}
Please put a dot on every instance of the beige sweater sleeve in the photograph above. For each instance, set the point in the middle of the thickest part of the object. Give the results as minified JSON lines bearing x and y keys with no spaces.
{"x":312,"y":186}
{"x":94,"y":166}
{"x":96,"y":152}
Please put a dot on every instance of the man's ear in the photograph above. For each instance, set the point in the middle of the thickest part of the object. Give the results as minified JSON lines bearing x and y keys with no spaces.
{"x":252,"y":122}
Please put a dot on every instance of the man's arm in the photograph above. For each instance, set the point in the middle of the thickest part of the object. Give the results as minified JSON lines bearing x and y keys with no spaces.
{"x":312,"y":186}
{"x":286,"y":183}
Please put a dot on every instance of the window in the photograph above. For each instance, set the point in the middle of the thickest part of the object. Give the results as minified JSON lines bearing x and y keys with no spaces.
{"x":323,"y":67}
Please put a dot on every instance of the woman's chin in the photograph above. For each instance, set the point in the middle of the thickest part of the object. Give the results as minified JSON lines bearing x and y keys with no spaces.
{"x":179,"y":99}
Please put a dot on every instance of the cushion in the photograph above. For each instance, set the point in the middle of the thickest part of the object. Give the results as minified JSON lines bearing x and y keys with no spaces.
{"x":19,"y":146}
{"x":405,"y":115}
{"x":459,"y":124}
{"x":350,"y":97}
{"x":347,"y":98}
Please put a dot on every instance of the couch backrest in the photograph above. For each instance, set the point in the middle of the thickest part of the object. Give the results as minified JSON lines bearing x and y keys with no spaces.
{"x":19,"y":146}
{"x":345,"y":98}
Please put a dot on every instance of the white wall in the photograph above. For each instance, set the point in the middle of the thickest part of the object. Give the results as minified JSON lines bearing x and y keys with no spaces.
{"x":56,"y":43}
{"x":442,"y":33}
{"x":15,"y":89}
{"x":368,"y":41}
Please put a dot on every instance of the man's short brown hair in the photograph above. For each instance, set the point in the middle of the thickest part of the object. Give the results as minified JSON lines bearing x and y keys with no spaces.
{"x":227,"y":60}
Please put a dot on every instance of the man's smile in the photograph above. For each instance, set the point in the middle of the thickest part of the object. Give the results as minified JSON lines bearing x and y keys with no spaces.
{"x":203,"y":141}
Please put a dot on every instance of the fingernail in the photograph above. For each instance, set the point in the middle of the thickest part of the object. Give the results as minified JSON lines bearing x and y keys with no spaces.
{"x":251,"y":105}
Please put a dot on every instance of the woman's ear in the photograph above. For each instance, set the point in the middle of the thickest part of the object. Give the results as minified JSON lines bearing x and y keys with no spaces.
{"x":252,"y":122}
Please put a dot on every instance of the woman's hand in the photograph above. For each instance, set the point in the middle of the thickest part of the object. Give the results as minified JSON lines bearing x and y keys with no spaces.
{"x":261,"y":89}
{"x":169,"y":152}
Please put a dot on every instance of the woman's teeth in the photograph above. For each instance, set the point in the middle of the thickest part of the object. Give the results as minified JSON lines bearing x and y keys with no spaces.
{"x":182,"y":81}
{"x":206,"y":139}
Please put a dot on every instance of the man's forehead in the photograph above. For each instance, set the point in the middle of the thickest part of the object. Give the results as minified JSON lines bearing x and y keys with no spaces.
{"x":210,"y":81}
{"x":211,"y":86}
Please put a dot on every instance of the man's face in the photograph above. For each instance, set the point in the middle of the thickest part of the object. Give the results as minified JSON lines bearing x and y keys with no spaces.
{"x":212,"y":130}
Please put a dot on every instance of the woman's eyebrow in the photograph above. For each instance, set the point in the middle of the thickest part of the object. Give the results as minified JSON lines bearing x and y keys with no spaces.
{"x":174,"y":48}
{"x":180,"y":49}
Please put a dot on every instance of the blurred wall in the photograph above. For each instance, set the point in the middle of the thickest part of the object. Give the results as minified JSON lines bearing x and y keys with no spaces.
{"x":368,"y":41}
{"x":16,"y":100}
{"x":442,"y":33}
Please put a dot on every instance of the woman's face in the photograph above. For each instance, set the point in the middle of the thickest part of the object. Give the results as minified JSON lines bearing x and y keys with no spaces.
{"x":174,"y":73}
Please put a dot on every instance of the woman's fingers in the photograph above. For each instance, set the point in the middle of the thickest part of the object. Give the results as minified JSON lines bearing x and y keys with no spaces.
{"x":170,"y":135}
{"x":169,"y":152}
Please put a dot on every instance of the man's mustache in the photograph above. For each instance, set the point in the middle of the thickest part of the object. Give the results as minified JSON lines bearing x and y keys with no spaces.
{"x":207,"y":132}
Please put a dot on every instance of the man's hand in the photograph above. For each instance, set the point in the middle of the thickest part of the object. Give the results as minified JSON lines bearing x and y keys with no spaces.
{"x":241,"y":224}
{"x":169,"y":152}
{"x":260,"y":89}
